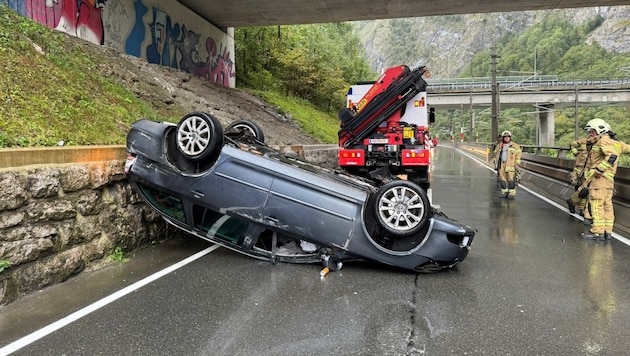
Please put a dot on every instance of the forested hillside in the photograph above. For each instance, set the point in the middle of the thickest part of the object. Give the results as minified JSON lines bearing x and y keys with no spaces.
{"x":448,"y":43}
{"x":585,"y":43}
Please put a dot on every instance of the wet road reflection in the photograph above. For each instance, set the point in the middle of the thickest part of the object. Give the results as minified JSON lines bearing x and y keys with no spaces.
{"x":505,"y":213}
{"x":528,"y":257}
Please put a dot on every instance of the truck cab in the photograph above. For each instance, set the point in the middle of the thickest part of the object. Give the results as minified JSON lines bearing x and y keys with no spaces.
{"x":384,"y":129}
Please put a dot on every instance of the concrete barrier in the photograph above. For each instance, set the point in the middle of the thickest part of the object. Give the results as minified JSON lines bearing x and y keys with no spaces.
{"x":19,"y":157}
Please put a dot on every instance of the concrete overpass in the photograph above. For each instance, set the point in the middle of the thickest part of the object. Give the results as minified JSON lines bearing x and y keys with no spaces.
{"x":558,"y":94}
{"x":244,"y":13}
{"x":542,"y":98}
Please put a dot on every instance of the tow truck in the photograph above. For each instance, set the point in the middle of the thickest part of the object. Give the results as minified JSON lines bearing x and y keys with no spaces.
{"x":384,"y":130}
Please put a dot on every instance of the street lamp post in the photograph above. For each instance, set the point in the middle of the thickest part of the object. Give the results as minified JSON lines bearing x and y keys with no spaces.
{"x":495,"y":90}
{"x":470,"y":108}
{"x":577,"y":121}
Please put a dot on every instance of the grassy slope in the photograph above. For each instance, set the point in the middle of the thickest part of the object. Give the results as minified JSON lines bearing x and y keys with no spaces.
{"x":52,"y":90}
{"x":315,"y":123}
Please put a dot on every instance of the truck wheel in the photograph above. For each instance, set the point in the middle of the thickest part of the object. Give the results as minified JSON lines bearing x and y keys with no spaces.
{"x":244,"y":128}
{"x":199,"y":136}
{"x":402,"y":208}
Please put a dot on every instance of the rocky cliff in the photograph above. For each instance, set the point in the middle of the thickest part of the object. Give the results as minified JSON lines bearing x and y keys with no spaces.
{"x":447,"y":43}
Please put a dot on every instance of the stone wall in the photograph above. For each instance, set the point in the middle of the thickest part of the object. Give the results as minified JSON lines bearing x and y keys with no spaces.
{"x":56,"y":221}
{"x":323,"y":155}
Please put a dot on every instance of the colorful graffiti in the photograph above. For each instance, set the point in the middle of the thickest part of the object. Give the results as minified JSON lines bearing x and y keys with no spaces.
{"x":163,"y":35}
{"x":156,"y":37}
{"x":137,"y":35}
{"x":216,"y":67}
{"x":81,"y":18}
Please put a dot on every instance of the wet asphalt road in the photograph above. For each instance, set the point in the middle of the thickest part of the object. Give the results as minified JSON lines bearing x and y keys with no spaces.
{"x":530,"y":286}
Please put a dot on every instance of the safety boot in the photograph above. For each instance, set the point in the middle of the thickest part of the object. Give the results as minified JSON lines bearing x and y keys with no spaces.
{"x":593,"y":236}
{"x":571,"y":206}
{"x":607,"y":235}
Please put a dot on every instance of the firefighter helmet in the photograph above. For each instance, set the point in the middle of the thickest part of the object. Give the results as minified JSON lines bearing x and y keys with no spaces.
{"x":506,"y":133}
{"x":600,"y":126}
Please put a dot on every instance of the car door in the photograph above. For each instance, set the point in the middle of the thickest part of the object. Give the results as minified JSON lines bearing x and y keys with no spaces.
{"x":312,"y":209}
{"x":234,"y":187}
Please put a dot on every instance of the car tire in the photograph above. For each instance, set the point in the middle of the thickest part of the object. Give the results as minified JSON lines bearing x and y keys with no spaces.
{"x":244,"y":128}
{"x":402,"y":208}
{"x":199,"y":136}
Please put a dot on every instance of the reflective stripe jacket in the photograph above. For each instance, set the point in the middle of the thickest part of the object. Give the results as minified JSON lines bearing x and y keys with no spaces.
{"x":513,"y":157}
{"x":580,"y":149}
{"x":604,"y":158}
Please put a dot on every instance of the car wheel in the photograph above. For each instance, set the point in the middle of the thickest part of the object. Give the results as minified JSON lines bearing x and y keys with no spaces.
{"x":402,"y":208}
{"x":244,"y":128}
{"x":199,"y":136}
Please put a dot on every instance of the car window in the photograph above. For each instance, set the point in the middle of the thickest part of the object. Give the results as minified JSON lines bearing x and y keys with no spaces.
{"x":219,"y":225}
{"x":165,"y":203}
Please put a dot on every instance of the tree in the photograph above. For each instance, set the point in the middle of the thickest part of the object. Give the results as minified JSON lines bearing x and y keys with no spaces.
{"x":313,"y":62}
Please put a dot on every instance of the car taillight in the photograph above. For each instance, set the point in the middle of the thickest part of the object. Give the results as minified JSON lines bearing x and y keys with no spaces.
{"x":131,"y":159}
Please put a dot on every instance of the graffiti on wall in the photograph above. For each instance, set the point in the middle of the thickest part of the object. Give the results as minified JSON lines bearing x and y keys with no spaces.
{"x":157,"y":38}
{"x":163,"y":34}
{"x":81,"y":18}
{"x":216,"y":67}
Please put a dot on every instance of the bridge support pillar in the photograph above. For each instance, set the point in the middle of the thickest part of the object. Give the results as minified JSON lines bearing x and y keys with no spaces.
{"x":546,"y":123}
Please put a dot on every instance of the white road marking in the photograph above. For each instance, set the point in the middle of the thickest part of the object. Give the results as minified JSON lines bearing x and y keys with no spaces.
{"x":50,"y":328}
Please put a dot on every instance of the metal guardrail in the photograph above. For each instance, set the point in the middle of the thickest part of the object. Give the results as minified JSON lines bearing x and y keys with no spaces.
{"x":546,"y":169}
{"x":510,"y":82}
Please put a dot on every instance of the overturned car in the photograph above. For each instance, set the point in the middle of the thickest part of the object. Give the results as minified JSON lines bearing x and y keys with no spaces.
{"x":227,"y":186}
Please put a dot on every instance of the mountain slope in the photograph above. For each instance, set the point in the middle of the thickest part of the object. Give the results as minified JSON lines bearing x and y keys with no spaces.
{"x":446,"y":44}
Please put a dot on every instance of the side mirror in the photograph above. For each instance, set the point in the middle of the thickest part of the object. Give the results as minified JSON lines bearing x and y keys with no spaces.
{"x":431,"y":115}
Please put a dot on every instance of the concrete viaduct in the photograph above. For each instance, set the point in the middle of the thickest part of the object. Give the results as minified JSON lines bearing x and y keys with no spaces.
{"x":542,"y":98}
{"x":244,"y":13}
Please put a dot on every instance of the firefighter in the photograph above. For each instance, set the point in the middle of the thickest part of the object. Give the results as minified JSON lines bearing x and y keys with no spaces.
{"x":507,"y":159}
{"x":600,"y":179}
{"x":580,"y":149}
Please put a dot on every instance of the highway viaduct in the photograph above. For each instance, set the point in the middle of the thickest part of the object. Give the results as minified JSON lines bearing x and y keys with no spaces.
{"x":244,"y":13}
{"x":542,"y":97}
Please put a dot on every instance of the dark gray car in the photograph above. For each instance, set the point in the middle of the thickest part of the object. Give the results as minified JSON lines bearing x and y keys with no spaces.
{"x":228,"y":187}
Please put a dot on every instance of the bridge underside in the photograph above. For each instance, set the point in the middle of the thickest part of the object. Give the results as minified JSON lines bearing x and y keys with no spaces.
{"x":245,"y":13}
